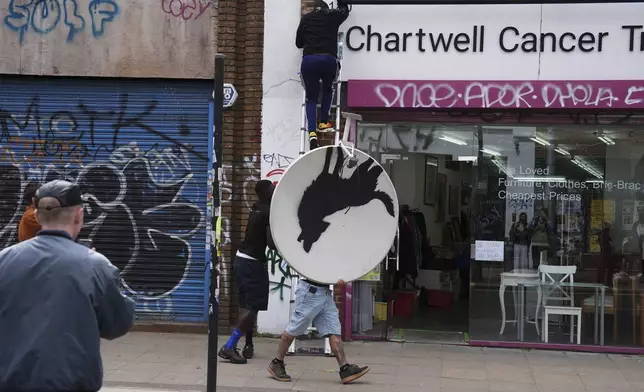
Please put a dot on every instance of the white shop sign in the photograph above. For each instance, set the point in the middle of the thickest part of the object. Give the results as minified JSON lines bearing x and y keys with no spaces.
{"x":495,"y":42}
{"x":489,"y":250}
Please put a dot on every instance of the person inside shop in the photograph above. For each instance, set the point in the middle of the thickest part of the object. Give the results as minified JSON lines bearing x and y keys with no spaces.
{"x":637,"y":234}
{"x":539,"y":240}
{"x":251,"y":273}
{"x":314,"y":303}
{"x":520,"y":235}
{"x":29,"y":226}
{"x":59,"y":298}
{"x":606,"y":261}
{"x":317,"y":36}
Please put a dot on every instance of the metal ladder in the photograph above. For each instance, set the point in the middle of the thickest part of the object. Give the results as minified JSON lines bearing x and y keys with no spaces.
{"x":335,"y":106}
{"x":350,"y":123}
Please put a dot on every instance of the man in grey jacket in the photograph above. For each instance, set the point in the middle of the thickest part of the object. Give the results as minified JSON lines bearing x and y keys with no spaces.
{"x":57,"y":300}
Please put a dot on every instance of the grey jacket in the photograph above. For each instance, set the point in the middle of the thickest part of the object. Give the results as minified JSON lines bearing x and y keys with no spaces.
{"x":57,"y":299}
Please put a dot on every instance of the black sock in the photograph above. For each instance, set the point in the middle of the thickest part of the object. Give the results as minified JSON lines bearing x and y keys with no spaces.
{"x":249,"y":338}
{"x":275,"y":360}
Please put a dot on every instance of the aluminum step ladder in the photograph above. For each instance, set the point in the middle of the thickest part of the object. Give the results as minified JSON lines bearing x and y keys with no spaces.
{"x":350,"y":123}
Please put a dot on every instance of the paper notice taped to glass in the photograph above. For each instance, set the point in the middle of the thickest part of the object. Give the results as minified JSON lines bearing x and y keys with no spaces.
{"x":489,"y":250}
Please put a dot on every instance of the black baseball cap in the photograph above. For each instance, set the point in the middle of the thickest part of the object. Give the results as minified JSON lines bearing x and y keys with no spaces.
{"x":67,"y":194}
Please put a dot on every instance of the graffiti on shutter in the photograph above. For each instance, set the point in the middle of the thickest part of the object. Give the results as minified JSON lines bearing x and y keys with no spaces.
{"x":143,"y":206}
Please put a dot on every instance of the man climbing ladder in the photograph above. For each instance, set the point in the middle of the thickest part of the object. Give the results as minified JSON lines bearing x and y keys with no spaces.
{"x":317,"y":37}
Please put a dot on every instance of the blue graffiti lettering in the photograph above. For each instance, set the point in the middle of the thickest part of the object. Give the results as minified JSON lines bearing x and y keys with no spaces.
{"x":45,"y":15}
{"x":19,"y":15}
{"x":102,"y":11}
{"x":73,"y":19}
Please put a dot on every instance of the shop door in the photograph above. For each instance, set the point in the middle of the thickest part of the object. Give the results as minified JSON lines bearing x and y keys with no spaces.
{"x":138,"y":149}
{"x":424,"y":283}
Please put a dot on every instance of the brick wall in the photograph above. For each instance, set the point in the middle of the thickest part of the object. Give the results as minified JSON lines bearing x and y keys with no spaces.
{"x":240,"y":37}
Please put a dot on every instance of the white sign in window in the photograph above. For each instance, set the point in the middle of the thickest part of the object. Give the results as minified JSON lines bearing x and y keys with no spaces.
{"x":489,"y":250}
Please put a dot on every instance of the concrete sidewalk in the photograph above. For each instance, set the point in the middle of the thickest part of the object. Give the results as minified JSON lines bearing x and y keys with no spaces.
{"x":143,"y":361}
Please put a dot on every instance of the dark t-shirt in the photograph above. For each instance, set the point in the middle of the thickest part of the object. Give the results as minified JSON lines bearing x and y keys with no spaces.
{"x":318,"y":31}
{"x":258,"y":234}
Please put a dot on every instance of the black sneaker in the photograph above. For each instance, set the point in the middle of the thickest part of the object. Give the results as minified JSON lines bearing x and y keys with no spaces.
{"x":313,"y":141}
{"x":350,"y":373}
{"x":232,"y":354}
{"x":277,"y":370}
{"x":248,"y":351}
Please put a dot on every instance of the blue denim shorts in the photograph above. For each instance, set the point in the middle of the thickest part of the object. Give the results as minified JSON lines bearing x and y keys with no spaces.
{"x":315,"y":305}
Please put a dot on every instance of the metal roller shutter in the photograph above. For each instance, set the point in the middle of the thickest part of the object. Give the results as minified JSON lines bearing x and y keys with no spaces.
{"x":139,"y":150}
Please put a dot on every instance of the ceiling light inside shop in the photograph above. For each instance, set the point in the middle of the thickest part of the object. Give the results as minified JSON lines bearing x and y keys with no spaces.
{"x":467,"y":158}
{"x":606,"y":140}
{"x":562,"y":151}
{"x":539,"y":140}
{"x":452,"y":140}
{"x":588,"y":168}
{"x":491,"y":152}
{"x":541,"y":179}
{"x":502,"y":167}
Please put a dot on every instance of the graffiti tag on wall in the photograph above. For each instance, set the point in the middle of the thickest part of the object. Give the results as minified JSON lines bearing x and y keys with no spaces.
{"x":44,"y":16}
{"x":143,"y":200}
{"x":185,"y":9}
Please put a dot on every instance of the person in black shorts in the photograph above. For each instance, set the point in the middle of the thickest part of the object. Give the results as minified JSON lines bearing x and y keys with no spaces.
{"x":251,"y":272}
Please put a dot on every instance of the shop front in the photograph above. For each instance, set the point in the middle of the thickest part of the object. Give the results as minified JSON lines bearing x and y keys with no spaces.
{"x":514,"y":137}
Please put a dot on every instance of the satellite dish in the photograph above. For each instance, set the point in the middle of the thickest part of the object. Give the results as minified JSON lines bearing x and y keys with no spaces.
{"x":333,"y":216}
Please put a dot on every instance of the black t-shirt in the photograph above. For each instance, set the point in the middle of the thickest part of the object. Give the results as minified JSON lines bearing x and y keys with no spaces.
{"x":318,"y":31}
{"x":258,"y":233}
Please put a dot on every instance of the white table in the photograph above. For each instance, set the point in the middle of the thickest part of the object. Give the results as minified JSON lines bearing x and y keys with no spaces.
{"x":512,"y":279}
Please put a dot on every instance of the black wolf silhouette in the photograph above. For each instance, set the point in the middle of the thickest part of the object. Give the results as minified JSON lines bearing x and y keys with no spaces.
{"x":330,"y":193}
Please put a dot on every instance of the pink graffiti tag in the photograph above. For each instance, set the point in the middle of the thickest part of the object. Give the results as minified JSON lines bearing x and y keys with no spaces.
{"x":185,"y":9}
{"x":275,"y":175}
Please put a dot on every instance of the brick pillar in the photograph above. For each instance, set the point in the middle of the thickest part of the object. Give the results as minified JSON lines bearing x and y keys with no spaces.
{"x":240,"y":36}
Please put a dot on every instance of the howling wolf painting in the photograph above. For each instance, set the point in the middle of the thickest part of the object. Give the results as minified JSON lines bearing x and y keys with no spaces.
{"x":330,"y":192}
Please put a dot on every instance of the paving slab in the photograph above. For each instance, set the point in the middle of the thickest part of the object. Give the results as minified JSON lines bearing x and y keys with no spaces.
{"x":162,"y":362}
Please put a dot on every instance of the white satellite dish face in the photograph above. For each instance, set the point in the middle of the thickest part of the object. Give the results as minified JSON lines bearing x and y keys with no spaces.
{"x":334,"y":217}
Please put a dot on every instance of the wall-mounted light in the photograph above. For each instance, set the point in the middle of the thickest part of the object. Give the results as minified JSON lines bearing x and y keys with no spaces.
{"x":606,"y":140}
{"x":491,"y":152}
{"x":539,"y":140}
{"x":452,"y":140}
{"x":562,"y":151}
